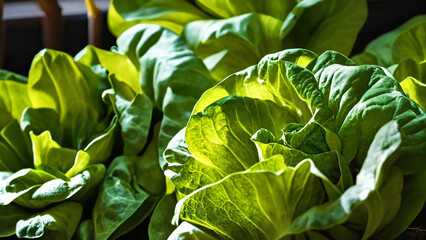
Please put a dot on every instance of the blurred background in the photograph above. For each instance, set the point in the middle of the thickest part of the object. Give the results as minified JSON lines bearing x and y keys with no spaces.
{"x":26,"y":30}
{"x":23,"y":36}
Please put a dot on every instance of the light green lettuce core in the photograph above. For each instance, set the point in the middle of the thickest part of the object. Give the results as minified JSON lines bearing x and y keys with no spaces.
{"x":300,"y":145}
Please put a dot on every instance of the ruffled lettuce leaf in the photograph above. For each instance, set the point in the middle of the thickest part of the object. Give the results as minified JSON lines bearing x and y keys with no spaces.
{"x":59,"y":222}
{"x":253,"y":204}
{"x":334,"y":114}
{"x":376,"y":181}
{"x":327,"y":84}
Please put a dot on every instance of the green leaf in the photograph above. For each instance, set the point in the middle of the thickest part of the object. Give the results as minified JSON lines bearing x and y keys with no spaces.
{"x":411,"y":205}
{"x":20,"y":183}
{"x":75,"y":96}
{"x":11,"y":214}
{"x":13,"y":100}
{"x":354,"y":94}
{"x":220,"y":135}
{"x":403,"y":52}
{"x":7,"y":75}
{"x":230,"y":45}
{"x":58,"y":222}
{"x":108,"y":62}
{"x":149,"y":174}
{"x":101,"y":146}
{"x":135,"y":120}
{"x":309,"y":138}
{"x":187,"y":231}
{"x":169,"y":14}
{"x":312,"y":24}
{"x":119,"y":198}
{"x":373,"y":184}
{"x":147,"y":186}
{"x":382,"y":47}
{"x":327,"y":59}
{"x":324,"y":25}
{"x":416,"y":90}
{"x":338,"y":122}
{"x":89,"y":179}
{"x":15,"y":151}
{"x":218,"y":141}
{"x":365,"y":58}
{"x":411,"y":44}
{"x":187,"y":173}
{"x":253,"y":205}
{"x":330,"y":163}
{"x":275,"y":157}
{"x":181,"y":81}
{"x":38,"y":189}
{"x":375,"y":99}
{"x":275,"y":78}
{"x":160,"y":225}
{"x":40,"y":120}
{"x":227,"y":9}
{"x":85,"y":230}
{"x":409,"y":68}
{"x":46,"y":149}
{"x":49,"y":153}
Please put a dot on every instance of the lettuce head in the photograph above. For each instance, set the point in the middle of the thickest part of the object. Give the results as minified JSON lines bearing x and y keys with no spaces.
{"x":300,"y":146}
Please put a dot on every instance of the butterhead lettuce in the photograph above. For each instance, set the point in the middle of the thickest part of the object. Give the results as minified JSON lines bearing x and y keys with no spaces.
{"x":56,"y":133}
{"x":300,"y":146}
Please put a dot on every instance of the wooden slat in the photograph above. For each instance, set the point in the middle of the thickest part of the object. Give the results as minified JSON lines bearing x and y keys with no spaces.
{"x":52,"y":24}
{"x":18,"y":11}
{"x":94,"y":15}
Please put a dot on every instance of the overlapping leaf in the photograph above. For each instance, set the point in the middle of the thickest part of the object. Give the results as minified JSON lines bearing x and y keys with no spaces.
{"x":169,"y":79}
{"x":331,"y":112}
{"x":54,"y":137}
{"x":232,"y":35}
